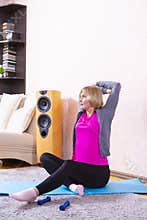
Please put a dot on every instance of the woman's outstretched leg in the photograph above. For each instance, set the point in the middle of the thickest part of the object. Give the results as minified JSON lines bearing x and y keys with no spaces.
{"x":50,"y":163}
{"x":26,"y":195}
{"x":52,"y":182}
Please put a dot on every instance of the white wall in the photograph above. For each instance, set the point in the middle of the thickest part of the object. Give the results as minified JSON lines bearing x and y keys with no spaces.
{"x":72,"y":43}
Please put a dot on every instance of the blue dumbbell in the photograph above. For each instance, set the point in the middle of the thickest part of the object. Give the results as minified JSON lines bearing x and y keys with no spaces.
{"x":64,"y":205}
{"x":42,"y":201}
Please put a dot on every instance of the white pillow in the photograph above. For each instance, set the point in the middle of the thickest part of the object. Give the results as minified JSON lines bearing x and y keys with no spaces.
{"x":8,"y":104}
{"x":11,"y":100}
{"x":5,"y":114}
{"x":20,"y":120}
{"x":30,"y":100}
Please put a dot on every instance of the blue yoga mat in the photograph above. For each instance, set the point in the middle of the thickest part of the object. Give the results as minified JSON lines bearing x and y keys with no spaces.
{"x":113,"y":187}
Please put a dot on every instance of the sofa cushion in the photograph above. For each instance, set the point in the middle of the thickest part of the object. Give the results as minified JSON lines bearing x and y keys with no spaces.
{"x":8,"y":104}
{"x":30,"y":100}
{"x":21,"y":118}
{"x":11,"y":100}
{"x":18,"y":146}
{"x":21,"y":142}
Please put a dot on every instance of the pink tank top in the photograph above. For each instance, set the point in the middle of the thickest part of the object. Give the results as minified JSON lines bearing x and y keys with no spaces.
{"x":86,"y":146}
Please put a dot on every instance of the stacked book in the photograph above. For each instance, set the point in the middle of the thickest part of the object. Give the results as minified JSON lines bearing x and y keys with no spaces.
{"x":9,"y":61}
{"x":9,"y":52}
{"x":7,"y":29}
{"x":6,"y":26}
{"x":9,"y":33}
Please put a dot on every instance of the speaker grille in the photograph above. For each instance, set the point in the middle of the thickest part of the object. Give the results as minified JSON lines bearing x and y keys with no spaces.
{"x":43,"y":92}
{"x":43,"y":104}
{"x":44,"y":122}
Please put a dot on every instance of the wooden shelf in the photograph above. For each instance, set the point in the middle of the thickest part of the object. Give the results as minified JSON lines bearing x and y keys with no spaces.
{"x":11,"y":78}
{"x":8,"y":12}
{"x":12,"y":42}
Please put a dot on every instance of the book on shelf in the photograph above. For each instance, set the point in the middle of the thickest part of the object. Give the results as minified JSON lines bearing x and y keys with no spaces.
{"x":9,"y":51}
{"x":8,"y":65}
{"x":8,"y":46}
{"x":9,"y":62}
{"x":10,"y":36}
{"x":9,"y":74}
{"x":8,"y":32}
{"x":7,"y":26}
{"x":9,"y":57}
{"x":6,"y":54}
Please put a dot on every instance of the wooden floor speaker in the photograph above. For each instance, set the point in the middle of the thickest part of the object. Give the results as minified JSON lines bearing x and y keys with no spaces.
{"x":48,"y":123}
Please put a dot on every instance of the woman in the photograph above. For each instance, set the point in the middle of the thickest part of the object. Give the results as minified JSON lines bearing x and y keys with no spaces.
{"x":91,"y":144}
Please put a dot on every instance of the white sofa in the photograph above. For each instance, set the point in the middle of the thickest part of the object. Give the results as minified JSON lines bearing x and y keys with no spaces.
{"x":16,"y":144}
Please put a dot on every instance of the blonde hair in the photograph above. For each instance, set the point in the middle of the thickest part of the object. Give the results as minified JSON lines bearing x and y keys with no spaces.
{"x":94,"y":95}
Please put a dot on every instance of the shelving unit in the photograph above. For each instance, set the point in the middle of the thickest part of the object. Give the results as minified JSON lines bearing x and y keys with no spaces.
{"x":16,"y":14}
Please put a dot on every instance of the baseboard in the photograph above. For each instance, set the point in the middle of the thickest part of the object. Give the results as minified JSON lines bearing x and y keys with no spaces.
{"x":127,"y":175}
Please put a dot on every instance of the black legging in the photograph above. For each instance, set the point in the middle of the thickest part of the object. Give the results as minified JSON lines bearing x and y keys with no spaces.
{"x":67,"y":172}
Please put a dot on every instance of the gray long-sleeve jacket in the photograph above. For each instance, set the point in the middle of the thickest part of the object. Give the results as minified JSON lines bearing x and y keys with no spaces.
{"x":105,"y":116}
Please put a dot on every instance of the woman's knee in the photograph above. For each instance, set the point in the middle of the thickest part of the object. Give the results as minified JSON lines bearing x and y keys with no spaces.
{"x":43,"y":158}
